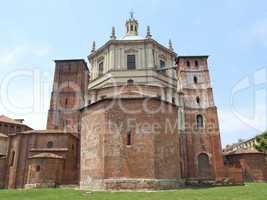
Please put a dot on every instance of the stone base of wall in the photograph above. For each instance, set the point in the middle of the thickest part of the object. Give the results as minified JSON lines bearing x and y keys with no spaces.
{"x":133,"y":184}
{"x":40,"y":185}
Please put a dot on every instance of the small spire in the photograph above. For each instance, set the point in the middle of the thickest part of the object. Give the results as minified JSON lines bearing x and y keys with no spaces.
{"x":113,"y":34}
{"x":170,"y":45}
{"x":93,"y":47}
{"x":148,"y":34}
{"x":132,"y":14}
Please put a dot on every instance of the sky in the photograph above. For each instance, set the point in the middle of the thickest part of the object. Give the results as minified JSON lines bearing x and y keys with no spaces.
{"x":234,"y":34}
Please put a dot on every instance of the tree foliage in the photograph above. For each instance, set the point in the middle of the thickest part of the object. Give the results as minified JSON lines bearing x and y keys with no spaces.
{"x":262,"y":142}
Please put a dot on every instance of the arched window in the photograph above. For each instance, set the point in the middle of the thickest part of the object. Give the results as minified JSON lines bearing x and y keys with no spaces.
{"x":38,"y":168}
{"x":198,"y":100}
{"x":66,"y":101}
{"x":132,"y":28}
{"x":12,"y":158}
{"x":200,"y":121}
{"x":195,"y":80}
{"x":130,"y":82}
{"x":196,"y":63}
{"x":187,"y":63}
{"x":129,"y":137}
{"x":50,"y":144}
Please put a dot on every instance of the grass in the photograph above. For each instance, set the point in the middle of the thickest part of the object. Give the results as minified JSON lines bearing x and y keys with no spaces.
{"x":248,"y":192}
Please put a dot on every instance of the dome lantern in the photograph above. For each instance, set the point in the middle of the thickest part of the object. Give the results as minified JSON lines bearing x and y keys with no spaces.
{"x":131,"y":26}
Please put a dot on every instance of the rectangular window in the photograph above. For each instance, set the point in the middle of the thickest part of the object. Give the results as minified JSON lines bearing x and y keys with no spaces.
{"x":100,"y":68}
{"x":131,"y":62}
{"x":162,"y":64}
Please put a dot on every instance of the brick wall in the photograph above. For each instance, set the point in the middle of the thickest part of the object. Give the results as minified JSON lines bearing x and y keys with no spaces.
{"x":235,"y":174}
{"x":45,"y":172}
{"x":25,"y":145}
{"x":2,"y":172}
{"x":252,"y":164}
{"x":8,"y":128}
{"x":153,"y":155}
{"x":70,"y":85}
{"x":198,"y":142}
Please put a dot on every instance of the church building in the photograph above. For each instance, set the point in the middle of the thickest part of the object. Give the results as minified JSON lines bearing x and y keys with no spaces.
{"x":138,"y":116}
{"x":150,"y":120}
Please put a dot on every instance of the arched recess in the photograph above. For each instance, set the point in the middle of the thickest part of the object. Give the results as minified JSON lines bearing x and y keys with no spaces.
{"x":204,"y":168}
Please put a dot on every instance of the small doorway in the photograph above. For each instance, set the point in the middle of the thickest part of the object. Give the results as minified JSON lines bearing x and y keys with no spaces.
{"x":204,"y":168}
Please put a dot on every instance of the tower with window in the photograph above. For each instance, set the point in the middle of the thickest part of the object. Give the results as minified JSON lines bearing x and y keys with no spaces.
{"x":201,"y":119}
{"x":69,"y":88}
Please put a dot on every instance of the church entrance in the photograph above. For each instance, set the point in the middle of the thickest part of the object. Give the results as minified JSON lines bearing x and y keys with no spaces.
{"x":204,"y":168}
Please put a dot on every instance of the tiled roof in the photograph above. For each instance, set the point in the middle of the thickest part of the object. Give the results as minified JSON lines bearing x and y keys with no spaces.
{"x":243,"y":151}
{"x":6,"y":119}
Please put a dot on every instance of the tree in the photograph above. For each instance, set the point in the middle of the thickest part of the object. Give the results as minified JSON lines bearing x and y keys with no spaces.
{"x":262,"y":142}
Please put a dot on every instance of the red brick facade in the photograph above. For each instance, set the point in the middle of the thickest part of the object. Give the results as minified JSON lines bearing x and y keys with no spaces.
{"x":70,"y":85}
{"x":129,"y":141}
{"x":3,"y":154}
{"x":252,"y":165}
{"x":202,"y":144}
{"x":29,"y":148}
{"x":10,"y":126}
{"x":150,"y":160}
{"x":2,"y":172}
{"x":45,"y":170}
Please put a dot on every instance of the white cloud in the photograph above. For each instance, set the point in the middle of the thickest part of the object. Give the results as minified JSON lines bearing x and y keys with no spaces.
{"x":41,"y":51}
{"x":9,"y":56}
{"x":229,"y":123}
{"x":259,"y":32}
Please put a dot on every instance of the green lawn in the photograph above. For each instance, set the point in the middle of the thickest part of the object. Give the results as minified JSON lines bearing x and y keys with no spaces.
{"x":248,"y":192}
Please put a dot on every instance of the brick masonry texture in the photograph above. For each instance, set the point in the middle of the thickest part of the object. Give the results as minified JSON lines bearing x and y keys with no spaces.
{"x":2,"y":172}
{"x":22,"y":168}
{"x":252,"y":165}
{"x":107,"y":156}
{"x":117,"y":143}
{"x":69,"y":88}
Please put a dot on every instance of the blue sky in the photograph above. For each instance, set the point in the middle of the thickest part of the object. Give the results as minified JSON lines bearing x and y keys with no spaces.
{"x":234,"y":34}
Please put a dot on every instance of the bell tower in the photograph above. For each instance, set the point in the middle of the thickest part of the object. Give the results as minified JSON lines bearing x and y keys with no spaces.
{"x":69,"y":87}
{"x":202,"y":135}
{"x":131,"y":26}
